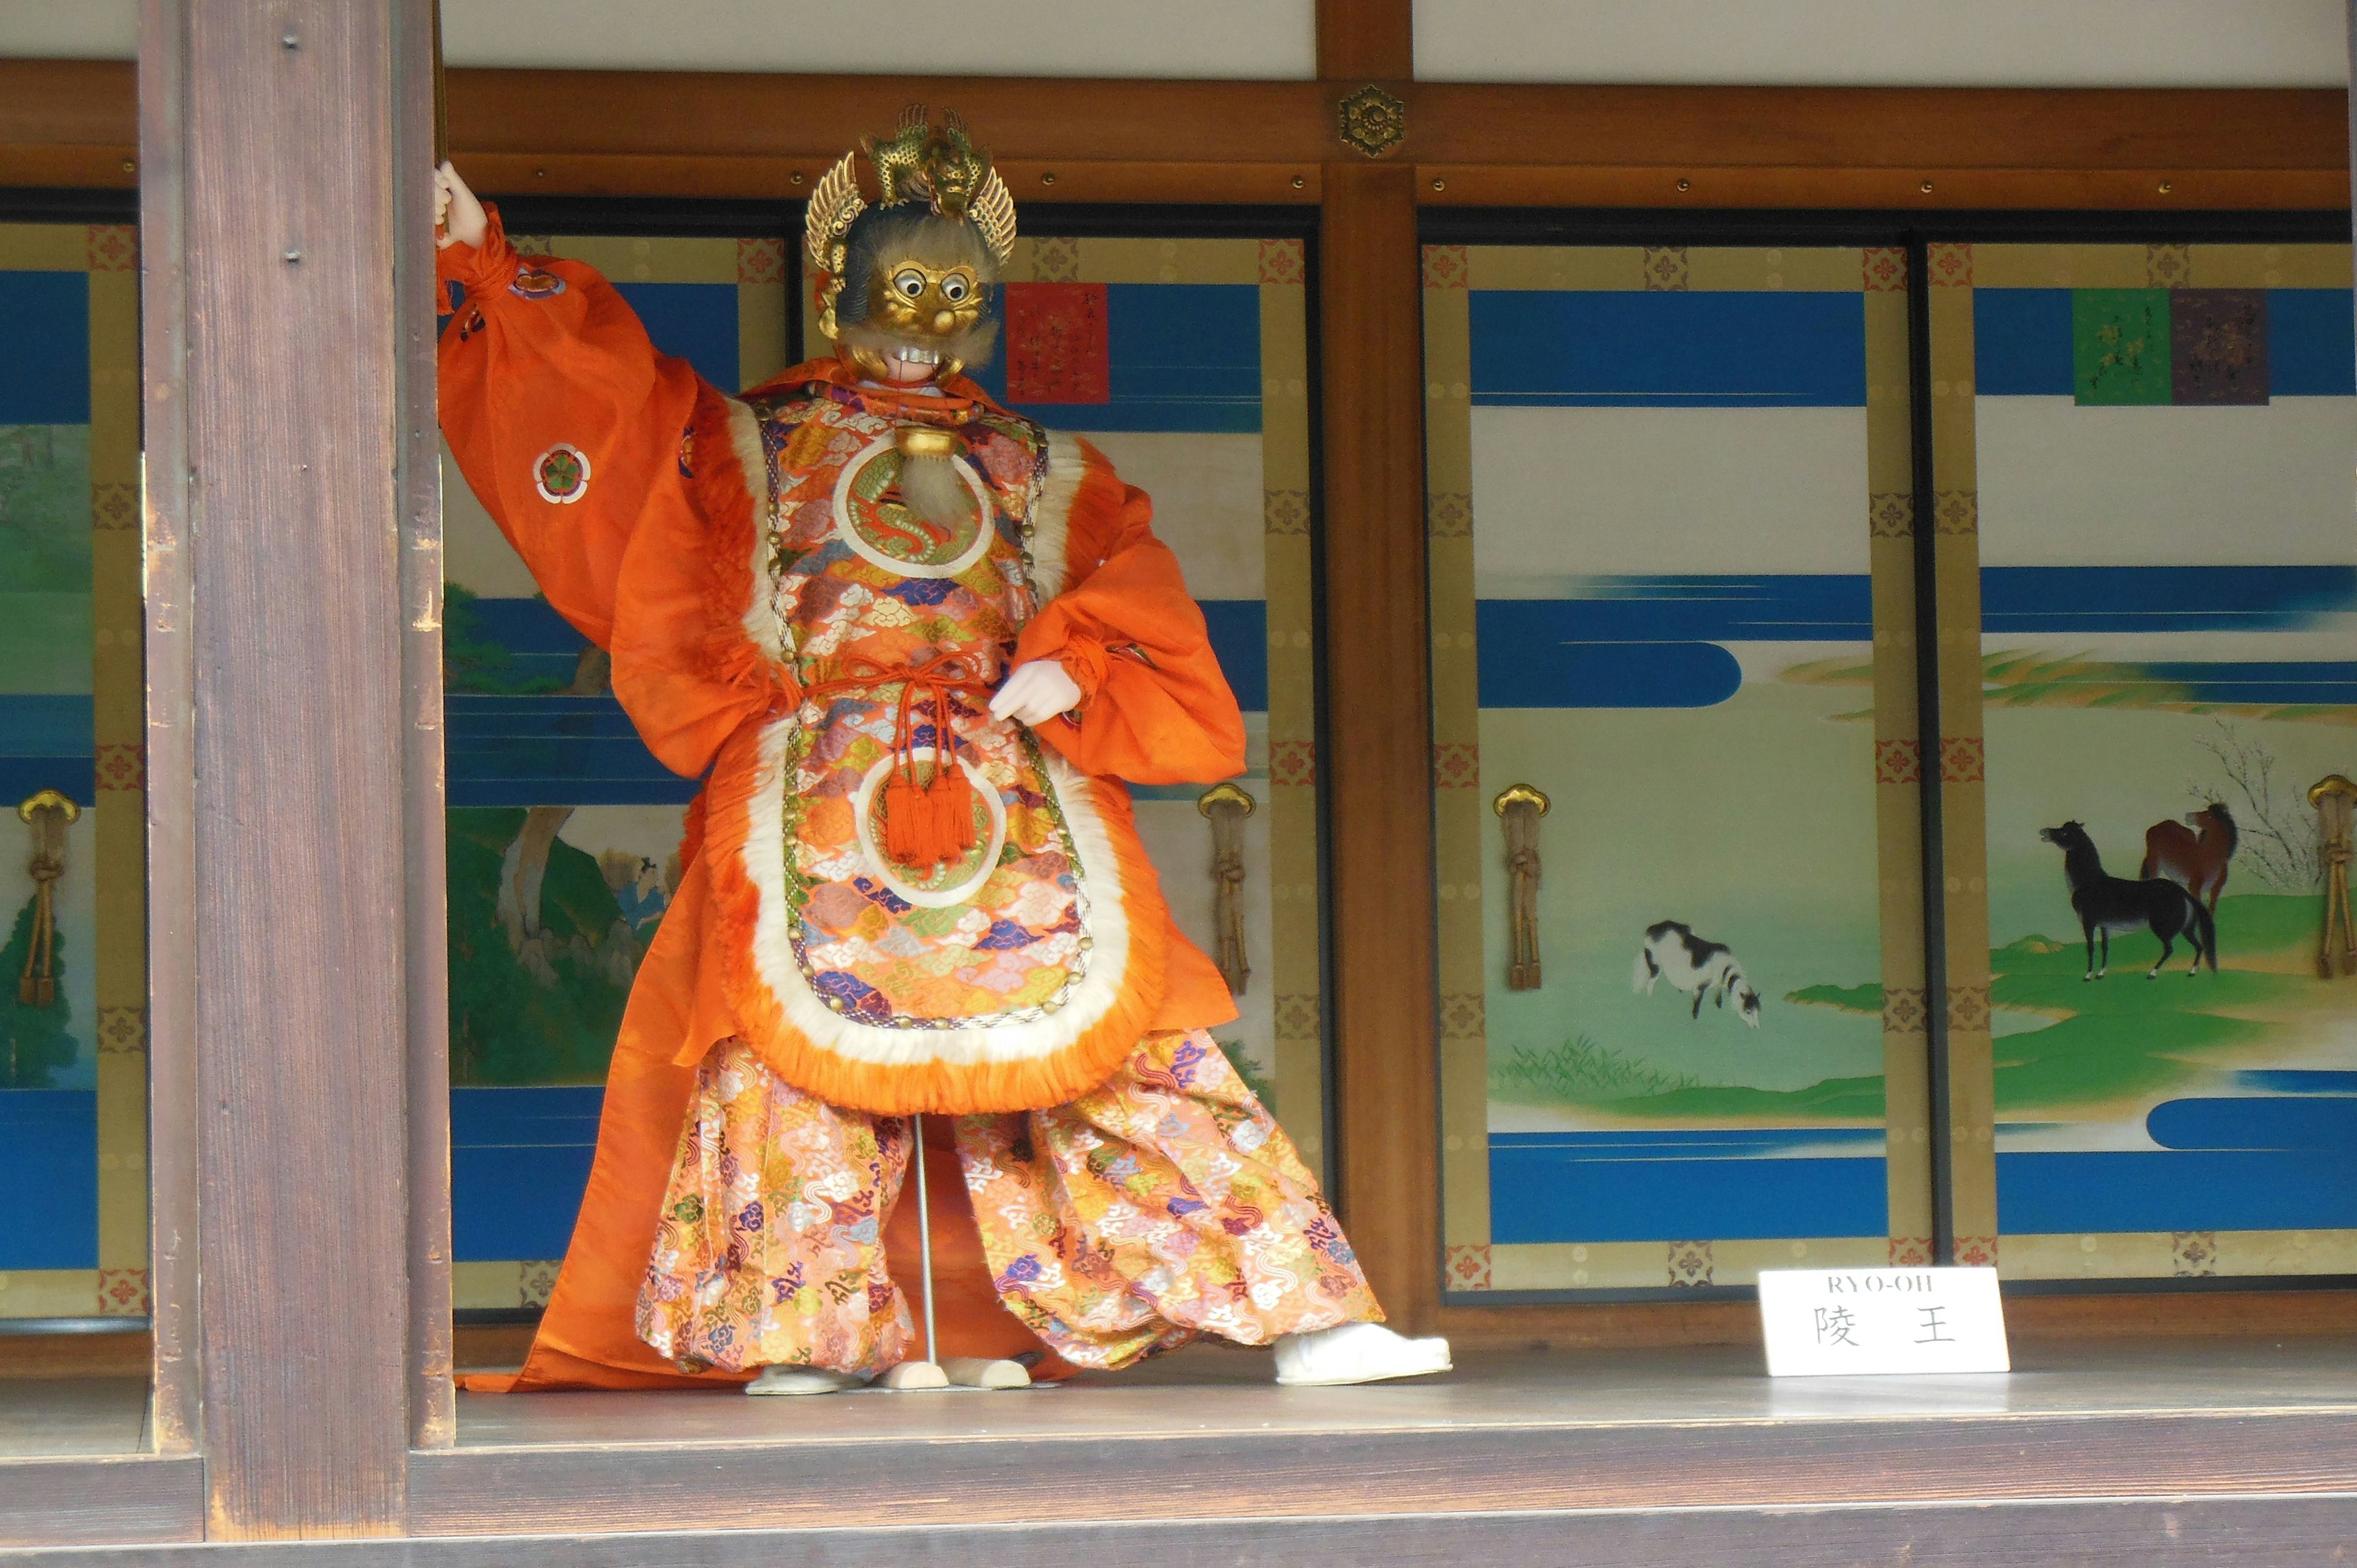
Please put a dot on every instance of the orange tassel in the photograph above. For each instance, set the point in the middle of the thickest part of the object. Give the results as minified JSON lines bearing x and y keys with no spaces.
{"x":905,"y":813}
{"x":952,"y":796}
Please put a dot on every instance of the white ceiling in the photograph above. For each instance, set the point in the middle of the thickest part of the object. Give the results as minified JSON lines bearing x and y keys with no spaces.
{"x":2009,"y":43}
{"x":1909,"y":43}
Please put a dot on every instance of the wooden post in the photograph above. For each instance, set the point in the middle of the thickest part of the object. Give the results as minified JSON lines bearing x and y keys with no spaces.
{"x":1377,"y":761}
{"x":284,"y":430}
{"x":418,"y":140}
{"x":174,"y":1104}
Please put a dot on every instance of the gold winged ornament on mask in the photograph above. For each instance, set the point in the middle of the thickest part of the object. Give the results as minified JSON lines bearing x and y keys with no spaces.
{"x":939,"y":164}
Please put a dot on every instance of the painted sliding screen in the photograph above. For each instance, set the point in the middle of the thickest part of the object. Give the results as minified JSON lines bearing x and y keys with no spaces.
{"x":1673,"y":577}
{"x":73,"y":983}
{"x":2157,"y":456}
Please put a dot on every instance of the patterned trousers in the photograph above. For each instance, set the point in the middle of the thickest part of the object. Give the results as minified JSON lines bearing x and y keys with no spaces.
{"x":1164,"y":1204}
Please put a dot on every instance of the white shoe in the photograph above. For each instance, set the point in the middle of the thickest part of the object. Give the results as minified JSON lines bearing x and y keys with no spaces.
{"x":909,"y":1377}
{"x":980,"y":1372}
{"x":803,"y":1380}
{"x":1356,"y":1353}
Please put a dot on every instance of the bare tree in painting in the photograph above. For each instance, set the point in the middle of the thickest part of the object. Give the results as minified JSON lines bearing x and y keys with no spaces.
{"x":2278,"y":830}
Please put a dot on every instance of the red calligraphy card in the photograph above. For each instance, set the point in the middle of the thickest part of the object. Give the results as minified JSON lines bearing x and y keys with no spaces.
{"x":1057,"y":346}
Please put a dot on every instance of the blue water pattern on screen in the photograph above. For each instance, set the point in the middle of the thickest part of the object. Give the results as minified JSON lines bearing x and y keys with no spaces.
{"x":48,"y":350}
{"x":693,"y":321}
{"x":519,"y":1163}
{"x":2281,"y":1156}
{"x":1714,"y":348}
{"x":45,"y":743}
{"x":2021,"y":343}
{"x":1651,"y":642}
{"x":1671,"y":1184}
{"x":1179,"y":357}
{"x":49,"y":1167}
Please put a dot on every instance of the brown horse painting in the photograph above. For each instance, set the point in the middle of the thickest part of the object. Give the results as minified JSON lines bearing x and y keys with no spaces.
{"x":2193,"y":853}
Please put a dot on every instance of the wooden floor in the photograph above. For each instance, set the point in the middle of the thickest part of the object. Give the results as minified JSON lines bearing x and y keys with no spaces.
{"x":1211,"y":1388}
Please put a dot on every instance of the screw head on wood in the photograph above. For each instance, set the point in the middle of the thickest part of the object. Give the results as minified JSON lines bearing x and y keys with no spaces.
{"x":1685,"y":185}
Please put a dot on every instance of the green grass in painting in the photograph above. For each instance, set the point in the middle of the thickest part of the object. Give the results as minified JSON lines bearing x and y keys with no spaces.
{"x":1264,"y":1088}
{"x":44,"y":641}
{"x":35,"y":1043}
{"x":1577,"y":1072}
{"x":472,"y":662}
{"x":1866,"y":999}
{"x":45,"y":507}
{"x":2126,"y":1035}
{"x":2020,"y":679}
{"x":1834,"y":1098}
{"x":508,"y":1024}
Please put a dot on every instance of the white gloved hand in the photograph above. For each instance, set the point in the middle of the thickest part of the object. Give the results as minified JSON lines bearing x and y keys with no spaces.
{"x":1035,"y":692}
{"x":456,"y":212}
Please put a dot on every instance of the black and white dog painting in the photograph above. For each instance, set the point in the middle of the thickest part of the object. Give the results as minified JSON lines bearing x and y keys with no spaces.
{"x":1672,"y":952}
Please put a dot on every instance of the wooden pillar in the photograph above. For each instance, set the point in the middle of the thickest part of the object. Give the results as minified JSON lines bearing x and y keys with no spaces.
{"x":279,"y":443}
{"x":1377,"y":761}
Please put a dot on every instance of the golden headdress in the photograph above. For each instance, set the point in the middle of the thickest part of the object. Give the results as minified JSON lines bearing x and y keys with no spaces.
{"x":939,"y":163}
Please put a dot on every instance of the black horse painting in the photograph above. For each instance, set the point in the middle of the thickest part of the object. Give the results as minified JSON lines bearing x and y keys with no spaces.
{"x":2106,"y":904}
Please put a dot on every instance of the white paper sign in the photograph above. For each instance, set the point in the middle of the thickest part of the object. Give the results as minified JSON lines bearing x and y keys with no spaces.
{"x":1828,"y":1321}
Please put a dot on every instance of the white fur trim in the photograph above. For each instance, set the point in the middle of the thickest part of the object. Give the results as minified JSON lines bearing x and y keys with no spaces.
{"x":1052,"y":518}
{"x":761,"y":623}
{"x":774,"y":952}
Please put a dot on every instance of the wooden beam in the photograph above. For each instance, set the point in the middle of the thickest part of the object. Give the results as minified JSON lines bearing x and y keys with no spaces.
{"x":112,"y":1501}
{"x":290,"y":393}
{"x":1465,"y":1458}
{"x":1376,"y":761}
{"x":744,"y":135}
{"x":2109,"y":1532}
{"x":1366,"y":41}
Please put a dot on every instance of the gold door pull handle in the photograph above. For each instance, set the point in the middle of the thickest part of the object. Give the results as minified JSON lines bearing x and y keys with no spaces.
{"x":48,"y":814}
{"x":1226,"y":806}
{"x":2335,"y":799}
{"x":1519,"y":809}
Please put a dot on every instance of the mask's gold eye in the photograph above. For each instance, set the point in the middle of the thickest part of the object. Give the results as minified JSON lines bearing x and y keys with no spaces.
{"x":910,"y":283}
{"x":954,"y":288}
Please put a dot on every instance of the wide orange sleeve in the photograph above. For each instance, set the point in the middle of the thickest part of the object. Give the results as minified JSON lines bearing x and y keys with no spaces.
{"x":1156,"y":708}
{"x":558,"y":361}
{"x":611,"y":469}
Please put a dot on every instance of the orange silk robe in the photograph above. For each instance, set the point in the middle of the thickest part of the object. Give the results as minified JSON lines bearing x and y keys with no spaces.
{"x":635,"y":492}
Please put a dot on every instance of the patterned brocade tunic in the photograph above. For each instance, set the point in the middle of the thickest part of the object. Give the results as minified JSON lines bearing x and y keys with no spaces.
{"x":1001,"y":934}
{"x":782,"y":624}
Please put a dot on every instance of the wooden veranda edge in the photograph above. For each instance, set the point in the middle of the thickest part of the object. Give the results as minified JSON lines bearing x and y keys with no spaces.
{"x":1463,"y":1469}
{"x":71,"y":124}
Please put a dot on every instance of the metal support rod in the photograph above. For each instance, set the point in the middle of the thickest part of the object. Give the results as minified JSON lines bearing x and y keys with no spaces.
{"x":925,"y":1235}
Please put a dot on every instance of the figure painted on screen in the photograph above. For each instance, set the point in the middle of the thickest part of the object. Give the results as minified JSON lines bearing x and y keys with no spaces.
{"x":910,"y":642}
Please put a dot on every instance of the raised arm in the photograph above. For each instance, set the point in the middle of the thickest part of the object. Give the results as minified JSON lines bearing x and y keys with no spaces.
{"x":564,"y":420}
{"x":1154,"y":706}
